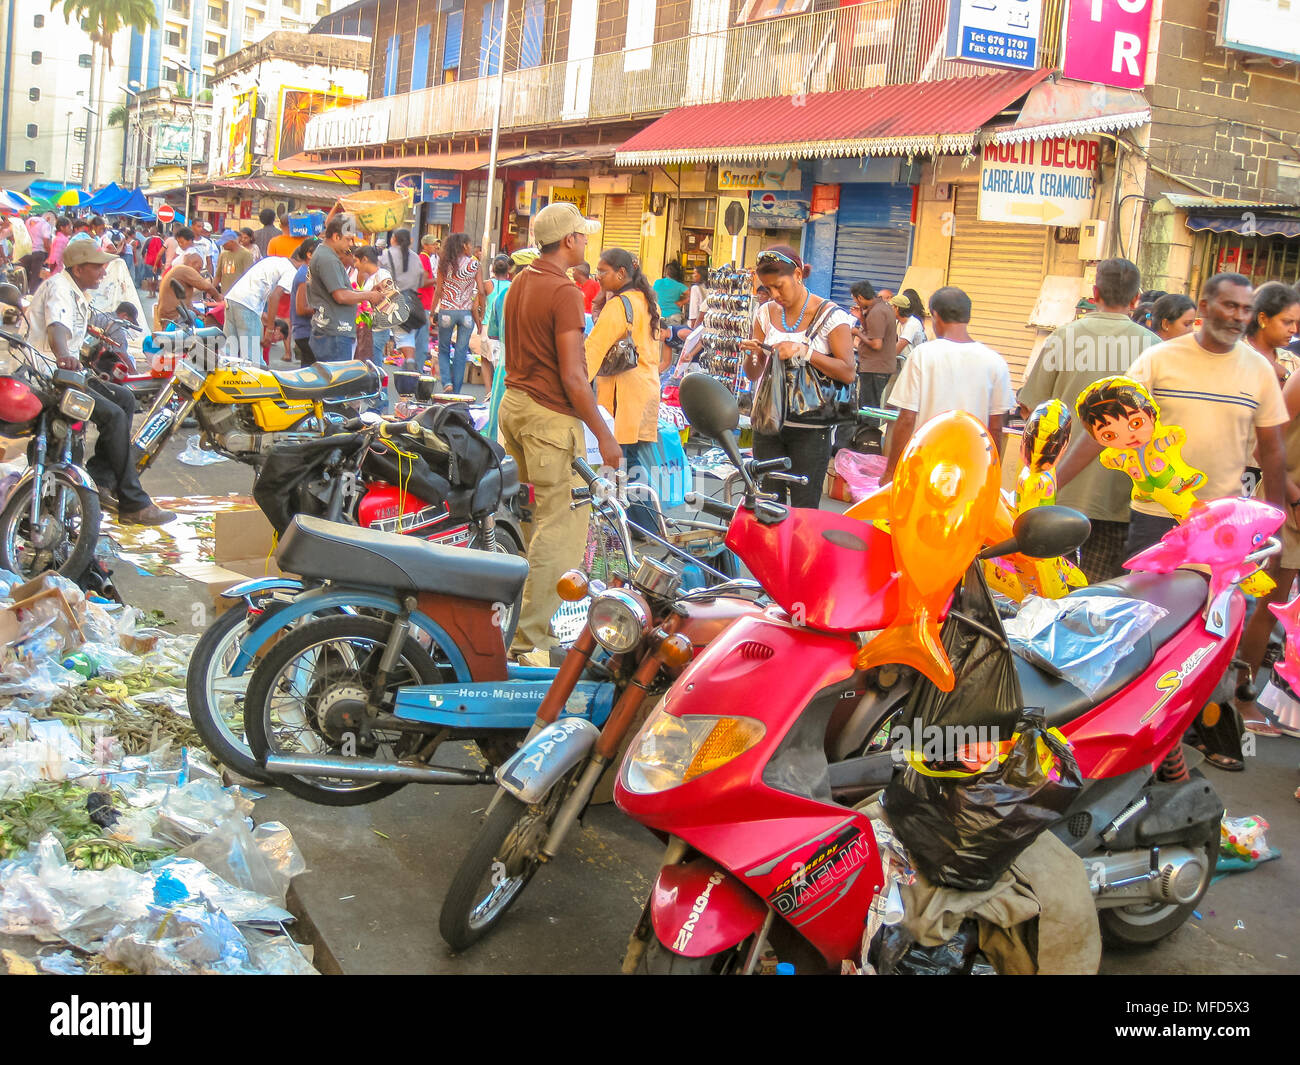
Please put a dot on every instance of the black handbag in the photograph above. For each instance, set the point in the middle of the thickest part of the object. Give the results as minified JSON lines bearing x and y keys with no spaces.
{"x":621,"y":355}
{"x":811,"y":396}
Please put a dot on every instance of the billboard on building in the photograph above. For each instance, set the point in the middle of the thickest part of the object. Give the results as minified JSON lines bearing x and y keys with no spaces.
{"x":1106,"y":42}
{"x":171,"y":144}
{"x":297,"y":108}
{"x":1047,"y":183}
{"x":234,"y":155}
{"x":1266,"y":27}
{"x":1002,"y":33}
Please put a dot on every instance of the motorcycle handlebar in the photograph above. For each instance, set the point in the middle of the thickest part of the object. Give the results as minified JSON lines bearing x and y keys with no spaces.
{"x":715,"y":508}
{"x":584,"y":471}
{"x":768,"y":465}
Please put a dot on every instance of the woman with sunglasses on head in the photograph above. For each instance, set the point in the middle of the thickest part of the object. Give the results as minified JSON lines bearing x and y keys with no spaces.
{"x":797,"y":326}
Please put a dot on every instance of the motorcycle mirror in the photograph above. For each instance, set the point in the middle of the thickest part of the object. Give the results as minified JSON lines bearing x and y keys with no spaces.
{"x":178,"y":290}
{"x":10,"y":296}
{"x":709,"y":405}
{"x":1043,"y":532}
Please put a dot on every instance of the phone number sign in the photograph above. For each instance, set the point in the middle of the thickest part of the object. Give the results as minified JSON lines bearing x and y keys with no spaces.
{"x":1002,"y":33}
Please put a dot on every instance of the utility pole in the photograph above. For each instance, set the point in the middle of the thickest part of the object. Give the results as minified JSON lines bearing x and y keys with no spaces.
{"x":189,"y":155}
{"x":91,"y":114}
{"x":67,"y":139}
{"x":488,"y":250}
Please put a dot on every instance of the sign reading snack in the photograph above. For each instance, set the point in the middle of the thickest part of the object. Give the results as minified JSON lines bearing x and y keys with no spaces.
{"x":575,"y":196}
{"x":1002,"y":33}
{"x":1048,"y":182}
{"x":749,"y":178}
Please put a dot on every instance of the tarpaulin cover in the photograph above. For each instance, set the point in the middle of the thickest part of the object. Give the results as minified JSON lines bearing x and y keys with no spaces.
{"x":1244,"y":224}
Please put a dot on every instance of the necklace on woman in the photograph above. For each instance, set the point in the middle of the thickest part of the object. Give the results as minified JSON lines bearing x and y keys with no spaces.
{"x":785,"y":324}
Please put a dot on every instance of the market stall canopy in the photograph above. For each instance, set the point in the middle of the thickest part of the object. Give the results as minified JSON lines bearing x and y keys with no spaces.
{"x":1245,"y":224}
{"x":14,"y":201}
{"x":1073,"y":109}
{"x":325,"y":191}
{"x":932,"y":117}
{"x":135,"y":206}
{"x":108,"y":199}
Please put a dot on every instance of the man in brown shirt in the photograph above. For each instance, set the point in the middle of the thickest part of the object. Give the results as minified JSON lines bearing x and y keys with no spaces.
{"x":548,"y":399}
{"x":876,"y":343}
{"x":233,"y":262}
{"x":186,"y":271}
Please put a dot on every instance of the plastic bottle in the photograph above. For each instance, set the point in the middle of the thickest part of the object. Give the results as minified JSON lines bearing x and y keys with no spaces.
{"x":784,"y":968}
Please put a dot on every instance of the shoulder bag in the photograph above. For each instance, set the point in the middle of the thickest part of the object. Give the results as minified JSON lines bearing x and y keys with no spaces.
{"x":810,"y":395}
{"x":621,"y":355}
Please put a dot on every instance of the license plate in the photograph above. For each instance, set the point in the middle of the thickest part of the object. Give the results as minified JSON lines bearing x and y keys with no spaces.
{"x":153,"y":429}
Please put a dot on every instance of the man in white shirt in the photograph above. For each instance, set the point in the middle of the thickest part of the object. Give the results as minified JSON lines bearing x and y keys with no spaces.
{"x":951,"y":372}
{"x":253,"y":300}
{"x":59,"y":314}
{"x":206,"y":246}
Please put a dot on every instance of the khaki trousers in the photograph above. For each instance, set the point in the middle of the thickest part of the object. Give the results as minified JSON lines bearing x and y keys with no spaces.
{"x":545,"y":444}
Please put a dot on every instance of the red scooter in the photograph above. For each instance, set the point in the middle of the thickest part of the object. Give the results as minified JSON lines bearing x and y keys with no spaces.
{"x":732,"y":770}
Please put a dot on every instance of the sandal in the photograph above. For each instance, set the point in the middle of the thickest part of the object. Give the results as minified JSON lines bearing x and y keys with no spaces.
{"x":1221,"y":761}
{"x":1262,"y":728}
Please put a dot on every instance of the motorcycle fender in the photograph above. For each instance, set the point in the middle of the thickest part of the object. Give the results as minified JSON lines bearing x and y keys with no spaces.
{"x":699,"y":909}
{"x":75,"y":473}
{"x":262,"y":584}
{"x":539,"y":764}
{"x":499,"y":704}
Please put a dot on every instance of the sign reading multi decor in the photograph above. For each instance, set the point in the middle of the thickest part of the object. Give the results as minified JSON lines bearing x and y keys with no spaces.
{"x":345,"y":129}
{"x":1047,"y":182}
{"x":1001,"y":33}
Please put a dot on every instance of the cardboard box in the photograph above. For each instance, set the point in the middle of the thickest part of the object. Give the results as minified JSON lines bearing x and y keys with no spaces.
{"x":242,"y":534}
{"x":11,"y":449}
{"x":216,"y":577}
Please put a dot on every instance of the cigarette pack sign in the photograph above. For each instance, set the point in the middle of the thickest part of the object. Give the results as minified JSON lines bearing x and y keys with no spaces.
{"x":1048,"y":182}
{"x":1002,"y":33}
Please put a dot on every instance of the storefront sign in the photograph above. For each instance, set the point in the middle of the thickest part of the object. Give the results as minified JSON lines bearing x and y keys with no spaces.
{"x":234,"y":157}
{"x":747,"y":179}
{"x":345,"y":129}
{"x":1261,"y":26}
{"x":171,"y":144}
{"x":409,"y":182}
{"x":440,"y":187}
{"x":1002,"y":33}
{"x":213,"y":204}
{"x":779,"y":209}
{"x":570,"y":195}
{"x":825,"y":200}
{"x":1106,"y":42}
{"x":1049,"y":182}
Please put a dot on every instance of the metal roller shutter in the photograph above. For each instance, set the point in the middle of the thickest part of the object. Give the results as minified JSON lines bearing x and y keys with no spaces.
{"x":873,"y":238}
{"x":1000,"y":267}
{"x":621,"y":220}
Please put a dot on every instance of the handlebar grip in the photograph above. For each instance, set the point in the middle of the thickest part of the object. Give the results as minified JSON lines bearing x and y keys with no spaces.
{"x":715,"y":508}
{"x":771,"y":464}
{"x":584,"y":471}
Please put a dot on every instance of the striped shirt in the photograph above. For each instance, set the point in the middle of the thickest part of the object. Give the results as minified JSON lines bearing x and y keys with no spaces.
{"x":460,"y":285}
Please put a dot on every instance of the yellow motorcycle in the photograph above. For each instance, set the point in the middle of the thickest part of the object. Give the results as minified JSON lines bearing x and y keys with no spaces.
{"x":243,"y":410}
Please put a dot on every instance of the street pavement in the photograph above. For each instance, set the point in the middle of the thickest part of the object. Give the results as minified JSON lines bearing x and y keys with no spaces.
{"x":378,"y":873}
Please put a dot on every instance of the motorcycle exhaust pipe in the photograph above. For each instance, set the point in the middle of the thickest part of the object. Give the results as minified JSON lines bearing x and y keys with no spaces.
{"x":325,"y":765}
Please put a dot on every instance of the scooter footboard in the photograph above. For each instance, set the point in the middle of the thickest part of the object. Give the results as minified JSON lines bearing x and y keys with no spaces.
{"x":698,"y":909}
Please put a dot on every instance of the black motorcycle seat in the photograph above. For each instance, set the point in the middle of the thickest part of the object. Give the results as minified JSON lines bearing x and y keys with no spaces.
{"x":327,"y":550}
{"x":329,"y":380}
{"x":1181,"y":593}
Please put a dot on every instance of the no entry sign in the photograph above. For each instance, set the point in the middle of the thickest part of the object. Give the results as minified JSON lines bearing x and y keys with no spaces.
{"x":166,"y":214}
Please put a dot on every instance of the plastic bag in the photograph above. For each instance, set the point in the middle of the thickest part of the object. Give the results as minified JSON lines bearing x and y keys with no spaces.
{"x":768,"y":411}
{"x":861,"y":472}
{"x":188,"y":938}
{"x":1080,"y":638}
{"x":964,"y":830}
{"x":896,"y":953}
{"x":239,"y":904}
{"x":262,"y":861}
{"x":191,"y":812}
{"x":1243,"y":837}
{"x":194,"y":455}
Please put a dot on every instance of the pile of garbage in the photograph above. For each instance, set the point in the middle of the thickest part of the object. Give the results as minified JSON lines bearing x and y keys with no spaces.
{"x":117,"y":838}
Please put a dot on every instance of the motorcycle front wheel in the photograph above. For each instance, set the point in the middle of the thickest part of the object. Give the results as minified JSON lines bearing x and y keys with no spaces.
{"x":498,"y":867}
{"x":316,"y":673}
{"x":658,"y":960}
{"x":66,"y":532}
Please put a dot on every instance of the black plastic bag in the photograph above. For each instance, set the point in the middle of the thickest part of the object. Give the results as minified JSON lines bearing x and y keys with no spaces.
{"x":813,"y":397}
{"x":768,"y":412}
{"x":963,"y":830}
{"x":894,"y":952}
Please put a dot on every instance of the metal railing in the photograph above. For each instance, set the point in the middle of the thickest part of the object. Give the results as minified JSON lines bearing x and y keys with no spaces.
{"x":881,"y":42}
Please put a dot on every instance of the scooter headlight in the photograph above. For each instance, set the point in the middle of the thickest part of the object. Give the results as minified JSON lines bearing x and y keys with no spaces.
{"x":76,"y":405}
{"x":673,"y":750}
{"x":618,"y":619}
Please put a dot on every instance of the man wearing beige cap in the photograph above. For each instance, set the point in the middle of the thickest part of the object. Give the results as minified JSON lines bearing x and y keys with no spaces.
{"x":59,"y":314}
{"x":548,"y":398}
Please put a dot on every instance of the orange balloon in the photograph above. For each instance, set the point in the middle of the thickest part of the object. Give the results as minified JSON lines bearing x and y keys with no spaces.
{"x":943,"y":506}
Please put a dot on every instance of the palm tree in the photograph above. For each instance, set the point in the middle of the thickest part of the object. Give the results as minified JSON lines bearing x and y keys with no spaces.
{"x":102,"y":20}
{"x":119,"y":115}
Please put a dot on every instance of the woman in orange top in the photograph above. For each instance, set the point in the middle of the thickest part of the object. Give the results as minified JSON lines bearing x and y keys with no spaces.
{"x":632,"y":397}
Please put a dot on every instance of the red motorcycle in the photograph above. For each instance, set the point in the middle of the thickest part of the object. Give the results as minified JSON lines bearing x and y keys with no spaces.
{"x":732,"y":770}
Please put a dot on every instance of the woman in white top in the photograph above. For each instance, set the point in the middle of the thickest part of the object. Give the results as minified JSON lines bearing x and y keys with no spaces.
{"x":781,"y":334}
{"x":909,"y":311}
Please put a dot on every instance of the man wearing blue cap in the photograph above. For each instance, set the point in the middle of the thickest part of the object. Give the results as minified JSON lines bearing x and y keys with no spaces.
{"x":233,"y":262}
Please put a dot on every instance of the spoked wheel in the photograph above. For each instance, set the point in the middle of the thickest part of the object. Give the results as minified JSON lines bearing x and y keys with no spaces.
{"x":64,"y":536}
{"x":498,"y":867}
{"x":308,"y":696}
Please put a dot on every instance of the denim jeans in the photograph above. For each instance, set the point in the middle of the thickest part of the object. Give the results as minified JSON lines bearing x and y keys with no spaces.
{"x":422,"y":345}
{"x":380,"y":338}
{"x":245,"y":326}
{"x":809,"y":452}
{"x":451,"y":365}
{"x":332,"y":348}
{"x":1145,"y":530}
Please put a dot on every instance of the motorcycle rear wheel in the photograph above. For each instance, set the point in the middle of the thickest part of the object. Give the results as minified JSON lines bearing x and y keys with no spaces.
{"x":498,"y":867}
{"x":72,"y":544}
{"x":414,"y":666}
{"x":1145,"y":924}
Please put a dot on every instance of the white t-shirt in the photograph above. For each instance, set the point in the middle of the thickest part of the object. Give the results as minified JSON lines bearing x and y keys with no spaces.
{"x":769,"y":316}
{"x":943,"y":375}
{"x":910,"y":332}
{"x":697,"y":303}
{"x":59,"y":300}
{"x":254,"y":288}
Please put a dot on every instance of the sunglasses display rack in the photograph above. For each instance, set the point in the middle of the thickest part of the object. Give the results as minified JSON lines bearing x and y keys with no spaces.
{"x":728,"y":307}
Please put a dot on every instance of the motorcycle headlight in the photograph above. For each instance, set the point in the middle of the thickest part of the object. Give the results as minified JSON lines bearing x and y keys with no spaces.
{"x":76,"y":405}
{"x":618,"y":619}
{"x":188,"y":376}
{"x":673,"y":750}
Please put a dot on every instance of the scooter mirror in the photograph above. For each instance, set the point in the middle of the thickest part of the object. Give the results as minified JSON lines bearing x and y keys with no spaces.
{"x":1043,"y":532}
{"x":709,"y":405}
{"x":10,"y":296}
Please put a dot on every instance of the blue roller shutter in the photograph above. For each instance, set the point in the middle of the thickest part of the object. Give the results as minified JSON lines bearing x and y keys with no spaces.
{"x":451,"y":37}
{"x":420,"y":60}
{"x":873,"y":238}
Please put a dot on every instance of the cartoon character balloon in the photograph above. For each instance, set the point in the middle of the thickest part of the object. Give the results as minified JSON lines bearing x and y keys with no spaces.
{"x":1046,"y":433}
{"x":1122,"y":417}
{"x":942,"y":506}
